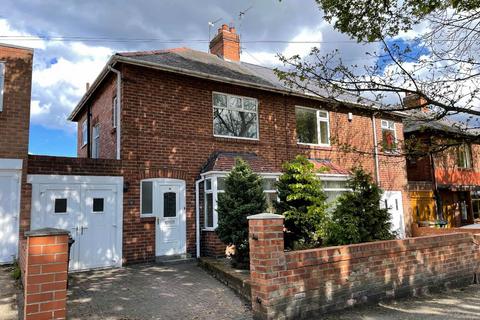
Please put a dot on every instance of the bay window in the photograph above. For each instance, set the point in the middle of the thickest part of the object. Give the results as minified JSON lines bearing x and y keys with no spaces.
{"x":334,"y":186}
{"x":235,"y":116}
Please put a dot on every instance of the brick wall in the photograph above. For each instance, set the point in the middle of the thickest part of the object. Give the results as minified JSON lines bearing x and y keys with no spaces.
{"x":426,"y":231}
{"x":44,"y":273}
{"x":303,"y":284}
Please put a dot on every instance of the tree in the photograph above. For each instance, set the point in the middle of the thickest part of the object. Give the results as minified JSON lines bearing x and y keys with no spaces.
{"x":243,"y":196}
{"x":358,"y":216}
{"x":426,"y":49}
{"x":302,"y":202}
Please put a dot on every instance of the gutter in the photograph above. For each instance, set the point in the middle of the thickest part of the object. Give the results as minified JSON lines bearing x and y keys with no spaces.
{"x":116,"y":58}
{"x":118,"y":107}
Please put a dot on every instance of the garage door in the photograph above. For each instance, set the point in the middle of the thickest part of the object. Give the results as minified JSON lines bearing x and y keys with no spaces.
{"x":90,"y":208}
{"x":10,"y":174}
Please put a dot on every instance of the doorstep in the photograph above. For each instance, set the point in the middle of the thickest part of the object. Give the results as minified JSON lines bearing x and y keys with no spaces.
{"x":237,"y":280}
{"x":174,"y":259}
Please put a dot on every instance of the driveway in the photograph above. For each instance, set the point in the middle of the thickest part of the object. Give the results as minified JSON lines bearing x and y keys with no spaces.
{"x":452,"y":305}
{"x":152,"y":292}
{"x":9,"y":294}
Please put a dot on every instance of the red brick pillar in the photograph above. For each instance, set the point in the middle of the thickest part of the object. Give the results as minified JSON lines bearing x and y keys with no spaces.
{"x":267,"y":262}
{"x":45,"y":274}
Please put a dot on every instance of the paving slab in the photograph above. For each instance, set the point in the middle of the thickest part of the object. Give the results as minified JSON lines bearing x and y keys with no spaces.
{"x":9,"y":294}
{"x":152,"y":292}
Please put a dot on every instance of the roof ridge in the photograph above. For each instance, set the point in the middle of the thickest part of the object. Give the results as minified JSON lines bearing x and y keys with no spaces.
{"x":153,"y":52}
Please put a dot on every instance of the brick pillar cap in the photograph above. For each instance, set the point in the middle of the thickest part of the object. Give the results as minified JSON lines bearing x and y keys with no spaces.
{"x":265,"y":216}
{"x":46,"y":232}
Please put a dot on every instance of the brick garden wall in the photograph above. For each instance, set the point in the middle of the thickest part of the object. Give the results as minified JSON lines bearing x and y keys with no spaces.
{"x":302,"y":284}
{"x":426,"y":231}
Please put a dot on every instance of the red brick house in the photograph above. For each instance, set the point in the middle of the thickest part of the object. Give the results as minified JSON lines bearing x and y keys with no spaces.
{"x":15,"y":88}
{"x":444,"y":177}
{"x":171,"y":122}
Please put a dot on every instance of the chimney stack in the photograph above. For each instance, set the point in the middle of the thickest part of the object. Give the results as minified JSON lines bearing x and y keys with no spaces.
{"x":226,"y":44}
{"x":412,"y":99}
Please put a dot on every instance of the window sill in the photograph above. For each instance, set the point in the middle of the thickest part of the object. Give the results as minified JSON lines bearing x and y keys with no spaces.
{"x":208,"y":229}
{"x":314,"y":146}
{"x":147,"y":217}
{"x":237,"y":140}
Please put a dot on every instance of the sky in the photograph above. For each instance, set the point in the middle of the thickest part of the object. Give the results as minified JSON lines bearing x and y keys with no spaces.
{"x":74,"y":39}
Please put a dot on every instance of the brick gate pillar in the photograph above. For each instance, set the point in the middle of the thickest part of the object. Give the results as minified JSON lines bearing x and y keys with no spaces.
{"x":267,"y":262}
{"x":44,"y":264}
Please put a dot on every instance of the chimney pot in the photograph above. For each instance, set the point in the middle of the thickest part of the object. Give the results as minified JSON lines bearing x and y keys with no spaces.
{"x":232,"y":30}
{"x":225,"y":27}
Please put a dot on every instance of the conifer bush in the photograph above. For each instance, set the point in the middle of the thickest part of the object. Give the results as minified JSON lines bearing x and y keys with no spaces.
{"x":243,"y":196}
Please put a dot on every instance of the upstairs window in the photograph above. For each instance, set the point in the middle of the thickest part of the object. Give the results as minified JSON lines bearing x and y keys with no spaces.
{"x":84,"y":133}
{"x":2,"y":83}
{"x":312,"y":126}
{"x":389,"y":137}
{"x":96,"y":142}
{"x":235,"y":116}
{"x":464,"y":156}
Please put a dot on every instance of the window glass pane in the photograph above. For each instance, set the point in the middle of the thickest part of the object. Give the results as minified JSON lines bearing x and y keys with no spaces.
{"x":98,"y":204}
{"x":209,"y":210}
{"x":250,"y":104}
{"x":334,"y":184}
{"x":219,"y":100}
{"x":271,"y":198}
{"x":208,"y":184}
{"x":235,"y":123}
{"x":324,"y":132}
{"x":169,"y":204}
{"x":333,"y":195}
{"x":306,"y":126}
{"x":322,"y":114}
{"x":221,"y":184}
{"x":147,"y":197}
{"x":388,"y":140}
{"x":234,"y":102}
{"x":61,"y":205}
{"x":269,"y":183}
{"x":84,"y":132}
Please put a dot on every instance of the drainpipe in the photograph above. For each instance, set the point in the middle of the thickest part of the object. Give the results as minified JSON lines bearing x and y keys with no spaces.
{"x":119,"y":107}
{"x":375,"y":150}
{"x":197,"y":214}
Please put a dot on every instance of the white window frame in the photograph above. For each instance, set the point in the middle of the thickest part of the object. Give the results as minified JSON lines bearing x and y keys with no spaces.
{"x":236,"y":109}
{"x":467,"y":150}
{"x":213,"y":176}
{"x":96,"y":141}
{"x":334,"y":177}
{"x":156,"y":184}
{"x":384,"y":125}
{"x":84,"y":133}
{"x":319,"y":119}
{"x":150,"y":214}
{"x":114,"y":112}
{"x":3,"y":66}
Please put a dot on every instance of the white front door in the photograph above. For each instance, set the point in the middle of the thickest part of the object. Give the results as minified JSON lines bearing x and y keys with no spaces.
{"x":393,"y":201}
{"x":87,"y":207}
{"x":170,"y":220}
{"x":9,"y":214}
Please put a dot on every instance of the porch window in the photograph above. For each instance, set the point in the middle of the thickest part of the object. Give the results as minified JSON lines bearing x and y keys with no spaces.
{"x":146,"y":200}
{"x":389,"y":136}
{"x":2,"y":83}
{"x":84,"y":133}
{"x":464,"y":156}
{"x":312,"y":126}
{"x":96,"y":142}
{"x":235,"y":116}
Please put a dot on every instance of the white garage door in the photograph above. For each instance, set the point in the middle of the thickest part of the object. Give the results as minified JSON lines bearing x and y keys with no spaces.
{"x":10,"y":177}
{"x":90,"y":208}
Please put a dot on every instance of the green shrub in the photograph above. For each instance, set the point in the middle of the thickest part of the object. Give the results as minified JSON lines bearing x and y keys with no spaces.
{"x":302,"y":203}
{"x":16,"y":272}
{"x":243,"y":196}
{"x":358,"y":216}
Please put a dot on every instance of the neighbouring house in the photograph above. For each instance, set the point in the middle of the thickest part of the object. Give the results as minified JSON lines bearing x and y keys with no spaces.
{"x":159,"y":130}
{"x":15,"y":90}
{"x":443,"y":172}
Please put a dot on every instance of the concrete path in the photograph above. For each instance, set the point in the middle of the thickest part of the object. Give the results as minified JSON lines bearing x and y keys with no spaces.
{"x":9,"y":293}
{"x":152,"y":292}
{"x":451,"y":305}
